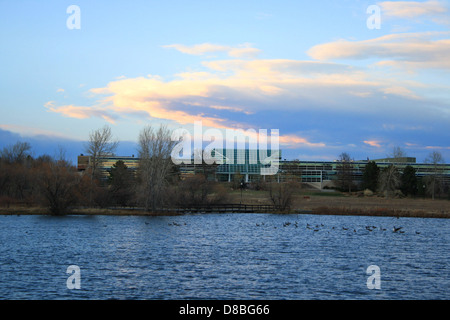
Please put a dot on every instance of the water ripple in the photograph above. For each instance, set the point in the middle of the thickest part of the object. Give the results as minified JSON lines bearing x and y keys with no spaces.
{"x":223,"y":257}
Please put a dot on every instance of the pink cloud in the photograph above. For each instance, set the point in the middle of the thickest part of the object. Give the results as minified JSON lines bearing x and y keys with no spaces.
{"x":373,"y":143}
{"x":80,"y":112}
{"x":295,"y":141}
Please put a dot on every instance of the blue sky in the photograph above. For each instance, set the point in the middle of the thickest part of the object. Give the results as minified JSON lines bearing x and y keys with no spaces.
{"x":312,"y":69}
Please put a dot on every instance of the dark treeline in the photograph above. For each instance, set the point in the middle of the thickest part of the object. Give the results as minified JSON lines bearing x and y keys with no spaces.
{"x":54,"y":183}
{"x":393,"y":182}
{"x":46,"y":180}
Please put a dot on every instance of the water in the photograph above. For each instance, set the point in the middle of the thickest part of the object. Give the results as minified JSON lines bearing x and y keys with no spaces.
{"x":236,"y":256}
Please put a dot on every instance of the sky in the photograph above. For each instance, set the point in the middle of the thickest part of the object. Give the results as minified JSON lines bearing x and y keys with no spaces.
{"x":352,"y":76}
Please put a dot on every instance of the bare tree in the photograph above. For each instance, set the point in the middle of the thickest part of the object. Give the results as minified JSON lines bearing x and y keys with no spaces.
{"x":397,"y":152}
{"x":389,"y":179}
{"x":345,"y":172}
{"x":194,"y":190}
{"x":58,"y":181}
{"x":155,"y":147}
{"x":435,"y":159}
{"x":282,"y":194}
{"x":16,"y":153}
{"x":101,"y":144}
{"x":16,"y":181}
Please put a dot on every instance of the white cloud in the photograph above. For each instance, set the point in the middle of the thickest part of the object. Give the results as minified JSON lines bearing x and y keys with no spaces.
{"x":436,"y":11}
{"x":240,"y":51}
{"x":411,"y":50}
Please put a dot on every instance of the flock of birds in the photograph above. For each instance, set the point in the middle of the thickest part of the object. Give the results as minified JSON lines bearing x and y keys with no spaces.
{"x":313,"y":227}
{"x":176,"y":224}
{"x":319,"y":227}
{"x":172,"y":224}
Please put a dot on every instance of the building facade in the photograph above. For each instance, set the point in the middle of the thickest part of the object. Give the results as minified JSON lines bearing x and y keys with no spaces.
{"x":246,"y":165}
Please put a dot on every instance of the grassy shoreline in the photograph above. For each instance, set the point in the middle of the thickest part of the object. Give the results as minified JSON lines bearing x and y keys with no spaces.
{"x":18,"y":210}
{"x":303,"y":203}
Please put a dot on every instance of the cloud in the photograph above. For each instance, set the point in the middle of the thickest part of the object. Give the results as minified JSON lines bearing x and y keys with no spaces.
{"x":321,"y":98}
{"x":185,"y":100}
{"x":81,"y":112}
{"x":437,"y":148}
{"x":295,"y":141}
{"x":198,"y":49}
{"x":411,"y":50}
{"x":400,"y":91}
{"x":437,"y":11}
{"x":373,"y":143}
{"x":232,"y":109}
{"x":241,"y":51}
{"x":27,"y":131}
{"x":409,"y":144}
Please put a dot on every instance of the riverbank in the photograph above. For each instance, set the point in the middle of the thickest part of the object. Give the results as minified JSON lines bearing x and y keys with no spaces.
{"x":23,"y":210}
{"x":336,"y":203}
{"x":303,"y":203}
{"x":376,"y":206}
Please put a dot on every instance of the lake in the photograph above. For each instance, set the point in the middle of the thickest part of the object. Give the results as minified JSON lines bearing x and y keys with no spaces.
{"x":224,"y":256}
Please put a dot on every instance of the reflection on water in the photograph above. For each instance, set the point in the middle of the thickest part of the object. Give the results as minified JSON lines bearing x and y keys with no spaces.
{"x":236,"y":256}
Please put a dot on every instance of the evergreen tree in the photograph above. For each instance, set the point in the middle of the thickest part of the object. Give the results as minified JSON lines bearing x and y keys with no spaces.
{"x":409,"y":181}
{"x":370,"y":176}
{"x":120,"y":179}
